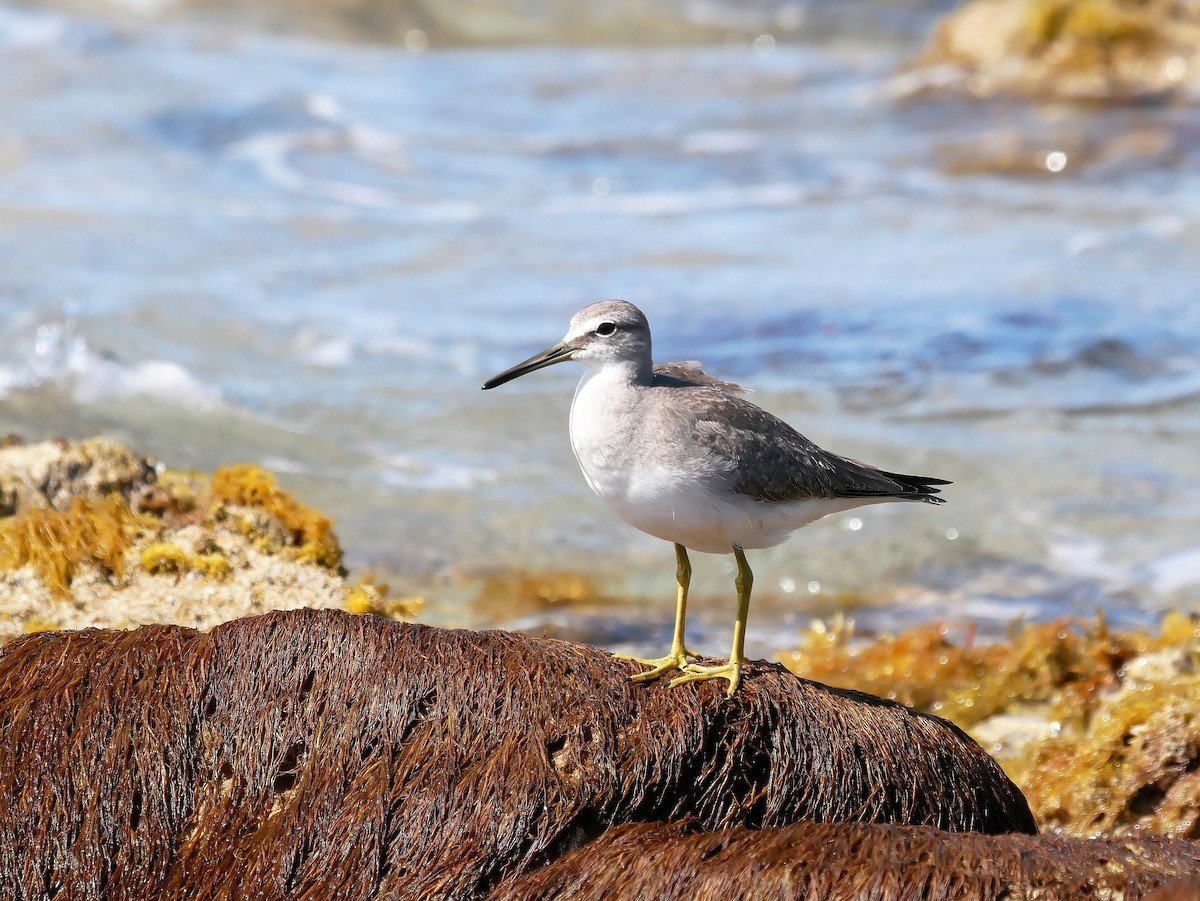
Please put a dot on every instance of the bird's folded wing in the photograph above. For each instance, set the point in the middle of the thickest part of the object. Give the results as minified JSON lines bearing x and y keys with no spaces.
{"x":766,"y":459}
{"x":692,"y":372}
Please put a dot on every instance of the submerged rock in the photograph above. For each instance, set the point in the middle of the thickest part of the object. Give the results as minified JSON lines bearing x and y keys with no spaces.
{"x":314,"y":754}
{"x":1064,"y":49}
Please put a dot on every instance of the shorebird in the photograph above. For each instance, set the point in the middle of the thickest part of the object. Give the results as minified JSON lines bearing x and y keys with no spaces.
{"x":684,"y":457}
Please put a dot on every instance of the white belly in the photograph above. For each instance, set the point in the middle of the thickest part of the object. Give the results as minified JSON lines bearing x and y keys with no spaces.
{"x":714,"y":523}
{"x":667,"y":495}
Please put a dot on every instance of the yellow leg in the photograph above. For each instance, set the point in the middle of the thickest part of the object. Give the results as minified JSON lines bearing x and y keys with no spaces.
{"x":678,"y":657}
{"x":733,"y":669}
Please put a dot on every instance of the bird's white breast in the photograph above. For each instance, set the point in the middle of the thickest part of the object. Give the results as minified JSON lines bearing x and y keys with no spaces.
{"x":667,"y":490}
{"x":599,"y":434}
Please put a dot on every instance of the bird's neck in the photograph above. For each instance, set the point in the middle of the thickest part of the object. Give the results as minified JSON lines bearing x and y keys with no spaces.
{"x":627,"y":372}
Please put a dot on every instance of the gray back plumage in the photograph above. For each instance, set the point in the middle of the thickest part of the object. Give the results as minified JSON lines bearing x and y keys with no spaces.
{"x":691,"y":372}
{"x":765,"y":458}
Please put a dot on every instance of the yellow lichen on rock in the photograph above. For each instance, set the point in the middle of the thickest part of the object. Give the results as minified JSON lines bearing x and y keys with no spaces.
{"x":368,"y":596}
{"x":165,"y":557}
{"x":1131,"y":762}
{"x":129,"y":542}
{"x":212,"y":566}
{"x":1104,"y":22}
{"x":57,"y":543}
{"x":309,"y":530}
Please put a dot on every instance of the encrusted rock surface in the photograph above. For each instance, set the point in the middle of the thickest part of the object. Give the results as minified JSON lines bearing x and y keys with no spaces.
{"x":54,"y":473}
{"x":1106,"y":50}
{"x":93,"y":534}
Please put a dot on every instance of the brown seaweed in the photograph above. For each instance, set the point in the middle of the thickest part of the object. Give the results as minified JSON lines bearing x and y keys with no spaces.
{"x":855,"y":861}
{"x":313,"y":754}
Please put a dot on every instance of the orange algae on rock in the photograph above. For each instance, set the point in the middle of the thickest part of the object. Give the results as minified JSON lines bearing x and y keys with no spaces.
{"x":56,"y":543}
{"x":1099,"y":728}
{"x":507,"y":594}
{"x":368,"y":596}
{"x":166,"y":557}
{"x":1072,"y":49}
{"x":102,"y":530}
{"x":969,"y":681}
{"x":1100,"y":25}
{"x":1131,"y":763}
{"x":247,"y":485}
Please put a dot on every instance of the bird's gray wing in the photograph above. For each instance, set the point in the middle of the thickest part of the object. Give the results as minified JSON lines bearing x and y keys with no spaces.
{"x":691,"y":372}
{"x":766,"y":459}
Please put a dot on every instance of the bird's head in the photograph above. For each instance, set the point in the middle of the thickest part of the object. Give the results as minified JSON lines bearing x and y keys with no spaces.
{"x":601,"y":334}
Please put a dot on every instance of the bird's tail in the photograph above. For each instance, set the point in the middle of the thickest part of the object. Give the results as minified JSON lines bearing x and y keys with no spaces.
{"x":918,"y":488}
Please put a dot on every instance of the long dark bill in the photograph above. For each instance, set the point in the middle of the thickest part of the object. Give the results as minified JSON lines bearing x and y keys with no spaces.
{"x":556,"y":354}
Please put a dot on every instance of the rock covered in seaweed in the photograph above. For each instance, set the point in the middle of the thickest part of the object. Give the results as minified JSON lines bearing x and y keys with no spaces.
{"x":315,"y":754}
{"x":93,"y":534}
{"x":853,"y":861}
{"x":52,"y":474}
{"x":1065,"y":49}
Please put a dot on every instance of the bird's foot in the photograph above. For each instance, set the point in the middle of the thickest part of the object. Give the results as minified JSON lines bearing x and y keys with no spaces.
{"x":659,"y":665}
{"x":693,"y":672}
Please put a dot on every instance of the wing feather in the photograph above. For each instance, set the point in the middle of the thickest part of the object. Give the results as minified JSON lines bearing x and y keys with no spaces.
{"x":768,"y":460}
{"x":691,"y":372}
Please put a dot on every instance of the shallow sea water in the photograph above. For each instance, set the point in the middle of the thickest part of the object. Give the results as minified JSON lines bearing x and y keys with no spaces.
{"x":223,"y":246}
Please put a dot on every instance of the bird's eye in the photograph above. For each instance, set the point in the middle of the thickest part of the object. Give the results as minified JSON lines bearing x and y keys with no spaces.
{"x":606,"y":328}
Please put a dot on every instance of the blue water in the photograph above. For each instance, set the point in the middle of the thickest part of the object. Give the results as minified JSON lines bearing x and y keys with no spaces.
{"x":219,"y":245}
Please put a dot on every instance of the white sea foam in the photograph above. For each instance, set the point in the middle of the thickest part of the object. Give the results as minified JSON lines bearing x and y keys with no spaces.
{"x":270,"y":154}
{"x":1176,"y":571}
{"x":390,"y":345}
{"x":673,"y":203}
{"x":21,"y":29}
{"x":410,"y":472}
{"x":1085,"y":555}
{"x":100,"y":378}
{"x":63,"y":357}
{"x":92,"y":378}
{"x":283,"y":464}
{"x":719,"y":142}
{"x":273,"y":155}
{"x":324,"y":351}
